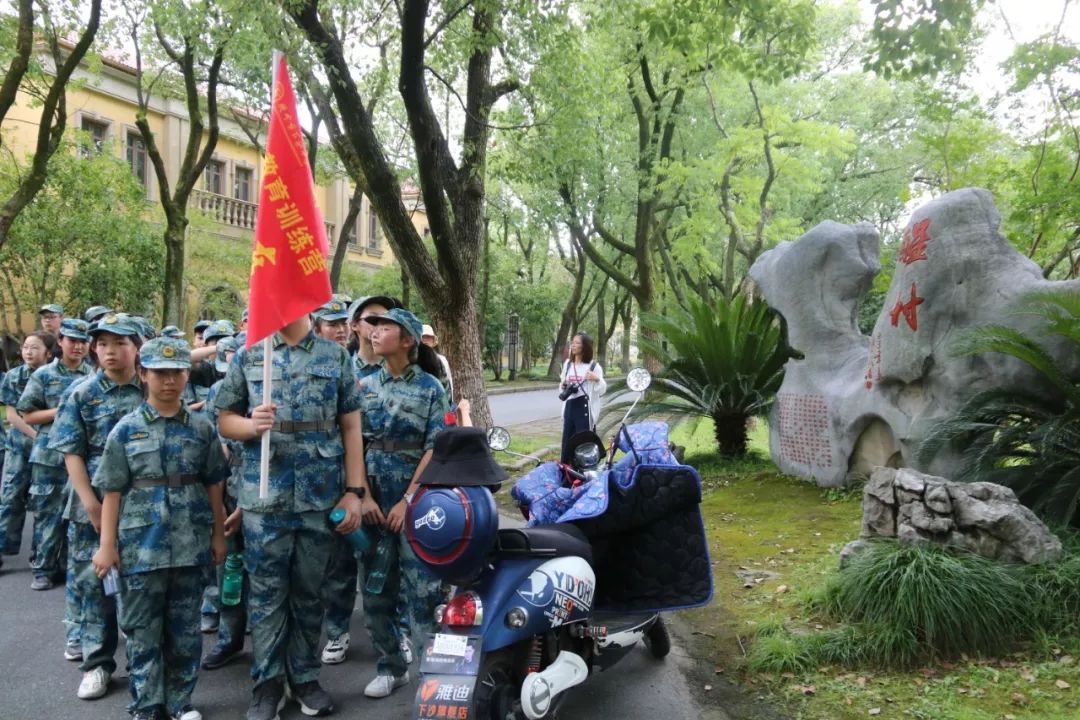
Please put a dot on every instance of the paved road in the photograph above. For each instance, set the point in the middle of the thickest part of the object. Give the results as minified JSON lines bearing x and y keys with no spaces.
{"x":36,"y":682}
{"x":525,"y":407}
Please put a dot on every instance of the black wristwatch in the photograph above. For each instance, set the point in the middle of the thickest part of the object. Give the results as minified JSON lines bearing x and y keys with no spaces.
{"x":360,"y":492}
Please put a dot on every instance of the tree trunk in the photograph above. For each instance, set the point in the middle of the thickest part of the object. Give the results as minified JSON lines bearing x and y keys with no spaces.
{"x":601,"y":330}
{"x":730,"y":430}
{"x":628,"y":322}
{"x":459,"y":327}
{"x":342,"y":247}
{"x":404,"y":287}
{"x":649,"y":338}
{"x":566,"y":322}
{"x":173,"y":294}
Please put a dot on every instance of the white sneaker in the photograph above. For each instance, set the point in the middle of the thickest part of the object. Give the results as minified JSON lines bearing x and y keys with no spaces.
{"x":95,"y":683}
{"x":383,"y":685}
{"x":406,"y":650}
{"x":188,"y":713}
{"x":335,"y":650}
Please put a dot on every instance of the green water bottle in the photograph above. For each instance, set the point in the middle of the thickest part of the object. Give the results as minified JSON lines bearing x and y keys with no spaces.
{"x":380,"y":563}
{"x":232,"y":582}
{"x":358,"y":538}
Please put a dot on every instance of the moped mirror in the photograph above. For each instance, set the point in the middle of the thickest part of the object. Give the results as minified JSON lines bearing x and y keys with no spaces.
{"x":638,"y":379}
{"x":498,"y":438}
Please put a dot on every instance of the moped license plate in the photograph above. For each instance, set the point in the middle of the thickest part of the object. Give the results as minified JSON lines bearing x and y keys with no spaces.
{"x":444,"y":697}
{"x":450,"y":654}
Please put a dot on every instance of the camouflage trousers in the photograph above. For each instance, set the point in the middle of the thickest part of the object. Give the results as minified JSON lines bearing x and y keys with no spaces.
{"x":49,"y":499}
{"x":411,"y":590}
{"x":339,"y":589}
{"x":159,"y":612}
{"x":286,"y":555}
{"x":96,"y":611}
{"x":13,"y":501}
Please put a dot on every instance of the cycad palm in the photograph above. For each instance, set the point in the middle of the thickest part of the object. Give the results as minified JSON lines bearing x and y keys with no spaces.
{"x":726,"y":363}
{"x":1017,"y":436}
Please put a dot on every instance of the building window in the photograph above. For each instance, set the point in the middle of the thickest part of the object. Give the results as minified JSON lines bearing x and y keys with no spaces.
{"x":136,"y":156}
{"x":98,"y":133}
{"x":374,"y":243}
{"x":352,"y":239}
{"x":242,"y":184}
{"x":214,"y":176}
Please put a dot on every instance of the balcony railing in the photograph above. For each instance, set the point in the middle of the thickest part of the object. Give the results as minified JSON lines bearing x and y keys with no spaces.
{"x":237,"y":213}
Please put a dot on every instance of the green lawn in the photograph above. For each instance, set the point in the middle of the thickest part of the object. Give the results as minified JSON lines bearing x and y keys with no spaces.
{"x":780,"y":536}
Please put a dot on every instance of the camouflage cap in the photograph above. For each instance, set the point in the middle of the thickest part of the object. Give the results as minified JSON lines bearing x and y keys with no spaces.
{"x":343,"y":298}
{"x":51,"y":308}
{"x":385,"y":300}
{"x":218,"y":329}
{"x":201,"y":325}
{"x":399,"y":316}
{"x":225,"y":345}
{"x":124,"y":325}
{"x":244,"y":315}
{"x":146,"y":330}
{"x":165,"y":353}
{"x":95,"y":312}
{"x":172,"y":331}
{"x":332,"y":311}
{"x":75,"y":329}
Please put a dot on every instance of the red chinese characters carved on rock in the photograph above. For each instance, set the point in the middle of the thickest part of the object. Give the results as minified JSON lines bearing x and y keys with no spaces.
{"x":908,"y":309}
{"x":916,"y":238}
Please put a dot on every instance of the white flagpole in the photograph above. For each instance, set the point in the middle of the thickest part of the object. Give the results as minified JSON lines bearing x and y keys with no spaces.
{"x":268,"y":345}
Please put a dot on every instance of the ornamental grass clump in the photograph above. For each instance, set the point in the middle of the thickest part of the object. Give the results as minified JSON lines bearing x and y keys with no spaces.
{"x":899,"y":605}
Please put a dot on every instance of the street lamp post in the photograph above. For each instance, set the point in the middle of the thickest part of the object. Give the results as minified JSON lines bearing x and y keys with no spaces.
{"x":512,"y":344}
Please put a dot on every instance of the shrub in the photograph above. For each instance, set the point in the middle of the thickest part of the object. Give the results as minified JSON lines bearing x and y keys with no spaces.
{"x":1012,"y":436}
{"x":727,"y":362}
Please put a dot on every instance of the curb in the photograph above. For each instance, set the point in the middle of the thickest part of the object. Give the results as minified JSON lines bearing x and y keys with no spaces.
{"x":538,"y":385}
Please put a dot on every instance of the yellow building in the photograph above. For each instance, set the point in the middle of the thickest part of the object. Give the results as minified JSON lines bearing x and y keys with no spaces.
{"x":102,"y":102}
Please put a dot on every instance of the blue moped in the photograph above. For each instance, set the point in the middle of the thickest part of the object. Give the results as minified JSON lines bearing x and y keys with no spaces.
{"x":533,"y":610}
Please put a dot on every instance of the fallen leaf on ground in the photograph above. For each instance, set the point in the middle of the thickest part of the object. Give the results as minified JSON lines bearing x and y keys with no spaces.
{"x":875,"y":711}
{"x":708,"y":688}
{"x":1019,"y":699}
{"x":781,"y":590}
{"x":1066,"y":660}
{"x":808,"y":689}
{"x":1062,"y":685}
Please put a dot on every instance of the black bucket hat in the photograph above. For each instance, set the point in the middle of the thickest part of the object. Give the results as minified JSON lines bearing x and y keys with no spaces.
{"x":461,"y":457}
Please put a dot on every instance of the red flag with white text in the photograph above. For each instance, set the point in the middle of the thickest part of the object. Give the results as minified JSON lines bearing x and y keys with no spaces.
{"x":289,"y":275}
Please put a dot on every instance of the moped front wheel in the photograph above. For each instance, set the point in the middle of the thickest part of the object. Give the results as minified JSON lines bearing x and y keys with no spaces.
{"x":498,"y":687}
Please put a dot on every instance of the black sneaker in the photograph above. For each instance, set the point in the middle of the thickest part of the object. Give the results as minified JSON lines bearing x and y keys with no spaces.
{"x":266,"y":700}
{"x":312,"y":699}
{"x":220,"y":655}
{"x":154,"y":713}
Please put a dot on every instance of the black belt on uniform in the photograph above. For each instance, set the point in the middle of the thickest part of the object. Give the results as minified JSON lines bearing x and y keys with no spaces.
{"x":393,"y":445}
{"x":289,"y":426}
{"x":167,"y":481}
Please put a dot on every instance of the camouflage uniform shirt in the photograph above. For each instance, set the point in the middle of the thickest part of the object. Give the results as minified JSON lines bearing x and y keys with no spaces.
{"x":44,"y":391}
{"x":89,"y":411}
{"x":162,"y":526}
{"x":11,"y":389}
{"x":409,"y":409}
{"x":313,"y":382}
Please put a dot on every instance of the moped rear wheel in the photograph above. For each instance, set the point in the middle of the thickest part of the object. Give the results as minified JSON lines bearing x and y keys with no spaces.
{"x":498,"y":686}
{"x":657,"y":639}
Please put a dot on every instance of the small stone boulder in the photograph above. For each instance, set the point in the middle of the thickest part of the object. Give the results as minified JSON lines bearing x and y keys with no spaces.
{"x":983,"y":518}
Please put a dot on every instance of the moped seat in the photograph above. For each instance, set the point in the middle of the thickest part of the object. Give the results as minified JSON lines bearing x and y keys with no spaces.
{"x":550,"y":541}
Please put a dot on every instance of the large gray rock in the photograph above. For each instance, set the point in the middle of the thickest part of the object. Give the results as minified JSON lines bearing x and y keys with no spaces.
{"x":854,"y":402}
{"x":983,"y":518}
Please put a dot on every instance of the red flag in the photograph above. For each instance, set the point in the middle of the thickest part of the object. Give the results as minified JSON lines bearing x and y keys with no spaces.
{"x":289,"y":276}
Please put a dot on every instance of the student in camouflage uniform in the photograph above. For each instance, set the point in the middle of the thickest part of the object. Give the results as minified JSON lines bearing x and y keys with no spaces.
{"x":364,"y":357}
{"x":332,"y":322}
{"x":316,"y":464}
{"x":233,"y":618}
{"x":404,"y":409}
{"x":36,"y":351}
{"x":91,"y":409}
{"x":38,"y":405}
{"x":95,"y":313}
{"x":339,"y":590}
{"x":162,"y":524}
{"x":51,"y":316}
